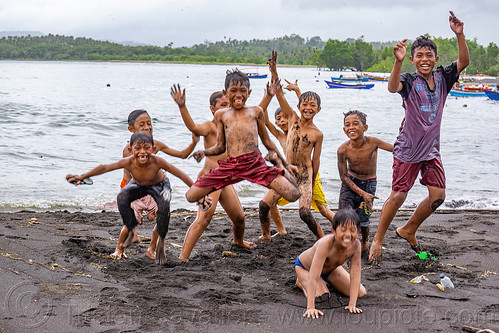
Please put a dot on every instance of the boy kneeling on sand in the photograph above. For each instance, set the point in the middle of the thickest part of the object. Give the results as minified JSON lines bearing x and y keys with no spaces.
{"x":322,"y":263}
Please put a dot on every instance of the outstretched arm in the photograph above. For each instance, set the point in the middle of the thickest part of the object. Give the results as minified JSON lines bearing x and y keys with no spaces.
{"x":382,"y":144}
{"x":283,"y":103}
{"x":178,"y":153}
{"x":220,"y":147}
{"x":175,"y":171}
{"x":343,"y":171}
{"x":103,"y":168}
{"x":269,"y":93}
{"x":178,"y":96}
{"x":313,"y":276}
{"x":399,"y":50}
{"x":264,"y":136}
{"x":457,"y":26}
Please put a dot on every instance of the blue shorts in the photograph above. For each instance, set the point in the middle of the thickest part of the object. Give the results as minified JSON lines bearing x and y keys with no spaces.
{"x":298,"y":263}
{"x":349,"y":198}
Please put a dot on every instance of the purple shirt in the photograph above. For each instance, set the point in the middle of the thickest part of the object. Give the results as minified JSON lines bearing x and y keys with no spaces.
{"x":419,"y":139}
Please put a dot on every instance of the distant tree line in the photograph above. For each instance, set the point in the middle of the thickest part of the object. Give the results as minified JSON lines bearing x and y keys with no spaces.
{"x":355,"y":54}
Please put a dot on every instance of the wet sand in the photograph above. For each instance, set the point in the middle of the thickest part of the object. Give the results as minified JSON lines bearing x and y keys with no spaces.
{"x":57,"y":276}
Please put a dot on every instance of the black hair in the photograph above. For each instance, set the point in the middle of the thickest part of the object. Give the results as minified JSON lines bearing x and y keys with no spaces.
{"x":215,"y":97}
{"x":134,"y":115}
{"x":362,"y":116}
{"x":310,"y":95}
{"x":345,"y":215}
{"x":141,"y":137}
{"x":423,"y":41}
{"x":277,"y":111}
{"x":236,"y":76}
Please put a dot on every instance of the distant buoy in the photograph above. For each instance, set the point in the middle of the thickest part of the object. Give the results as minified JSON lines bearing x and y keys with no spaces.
{"x":108,"y":85}
{"x":465,"y":105}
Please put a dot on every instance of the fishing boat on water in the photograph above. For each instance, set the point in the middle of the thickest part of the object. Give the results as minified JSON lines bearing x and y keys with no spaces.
{"x":256,"y":76}
{"x":377,"y":78}
{"x":349,"y":79}
{"x":335,"y":85}
{"x":494,"y":95}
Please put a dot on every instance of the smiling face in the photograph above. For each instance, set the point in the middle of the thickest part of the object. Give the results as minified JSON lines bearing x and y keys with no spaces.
{"x":309,"y":108}
{"x":346,"y":233}
{"x":424,"y":59}
{"x":237,"y":94}
{"x":353,"y":127}
{"x":142,"y":152}
{"x":142,"y":123}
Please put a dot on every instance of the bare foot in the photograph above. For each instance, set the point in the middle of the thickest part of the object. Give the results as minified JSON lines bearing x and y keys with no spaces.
{"x":375,"y":253}
{"x":182,"y":258}
{"x":279,"y":233}
{"x":245,"y":245}
{"x":151,"y":253}
{"x":261,"y":239}
{"x":117,"y":254}
{"x":365,"y":247}
{"x":410,"y":238}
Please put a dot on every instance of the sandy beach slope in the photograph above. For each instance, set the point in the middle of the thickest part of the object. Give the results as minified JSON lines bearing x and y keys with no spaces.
{"x":57,"y":277}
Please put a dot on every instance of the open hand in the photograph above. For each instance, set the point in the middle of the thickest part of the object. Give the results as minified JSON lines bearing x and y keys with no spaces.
{"x":292,"y":86}
{"x":178,"y":95}
{"x":198,"y":156}
{"x":399,"y":50}
{"x":313,"y":313}
{"x":353,"y":309}
{"x":455,"y":24}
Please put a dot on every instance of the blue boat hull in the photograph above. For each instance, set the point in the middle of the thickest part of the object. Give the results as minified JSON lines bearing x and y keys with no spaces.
{"x":337,"y":79}
{"x":457,"y":93}
{"x":262,"y":76}
{"x":492,"y":95}
{"x":337,"y":85}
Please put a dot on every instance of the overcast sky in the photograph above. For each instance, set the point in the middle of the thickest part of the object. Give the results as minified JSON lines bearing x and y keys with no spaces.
{"x":189,"y":22}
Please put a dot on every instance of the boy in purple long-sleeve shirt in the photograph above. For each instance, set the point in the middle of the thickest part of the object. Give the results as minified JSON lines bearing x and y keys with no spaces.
{"x":417,"y":148}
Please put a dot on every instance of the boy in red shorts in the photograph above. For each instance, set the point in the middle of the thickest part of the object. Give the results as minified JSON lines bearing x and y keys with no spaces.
{"x":417,"y":148}
{"x":238,"y":129}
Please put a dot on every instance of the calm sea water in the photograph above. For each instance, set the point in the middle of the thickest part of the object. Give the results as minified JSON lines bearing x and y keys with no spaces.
{"x":61,"y":117}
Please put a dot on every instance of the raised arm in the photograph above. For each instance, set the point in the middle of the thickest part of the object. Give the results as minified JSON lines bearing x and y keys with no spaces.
{"x":178,"y":153}
{"x":399,"y":50}
{"x":283,"y":103}
{"x":343,"y":171}
{"x":293,"y":87}
{"x":457,"y":26}
{"x":269,"y":93}
{"x":220,"y":147}
{"x":264,"y":136}
{"x":178,"y":96}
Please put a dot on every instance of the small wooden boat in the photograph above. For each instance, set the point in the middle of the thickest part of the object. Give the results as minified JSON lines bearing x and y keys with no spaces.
{"x":461,"y":93}
{"x":256,"y":76}
{"x":349,"y":79}
{"x":494,"y":95}
{"x":377,"y":78}
{"x":331,"y":84}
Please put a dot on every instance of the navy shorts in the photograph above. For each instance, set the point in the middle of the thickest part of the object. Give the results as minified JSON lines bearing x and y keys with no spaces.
{"x":348,"y":198}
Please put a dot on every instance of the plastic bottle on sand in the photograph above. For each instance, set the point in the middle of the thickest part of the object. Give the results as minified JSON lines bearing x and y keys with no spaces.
{"x":445,"y":281}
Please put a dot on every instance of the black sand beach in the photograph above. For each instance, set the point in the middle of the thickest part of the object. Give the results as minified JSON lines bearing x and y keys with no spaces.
{"x":57,"y":277}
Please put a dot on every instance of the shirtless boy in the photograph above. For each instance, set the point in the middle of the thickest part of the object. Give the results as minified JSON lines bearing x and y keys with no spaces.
{"x":139,"y":120}
{"x":238,"y":129}
{"x":357,"y":168}
{"x":319,"y":202}
{"x":303,"y":149}
{"x":323,"y":262}
{"x":148,"y":177}
{"x":227,"y":195}
{"x":417,"y":148}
